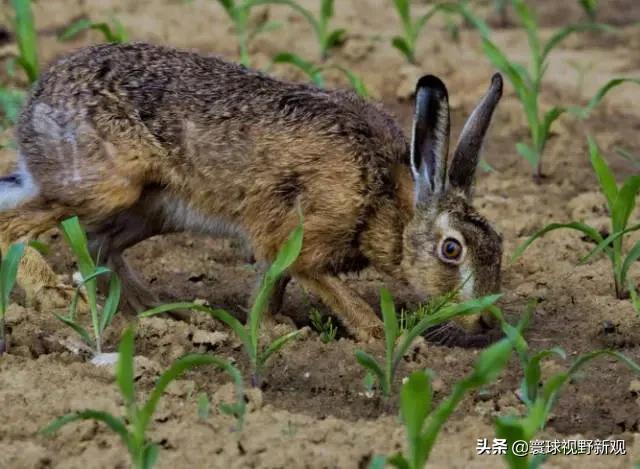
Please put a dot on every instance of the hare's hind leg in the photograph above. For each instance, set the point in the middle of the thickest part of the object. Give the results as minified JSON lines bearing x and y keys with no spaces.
{"x":39,"y":282}
{"x":143,"y":220}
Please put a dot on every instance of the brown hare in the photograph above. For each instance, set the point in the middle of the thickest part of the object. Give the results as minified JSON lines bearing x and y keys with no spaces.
{"x":140,"y":140}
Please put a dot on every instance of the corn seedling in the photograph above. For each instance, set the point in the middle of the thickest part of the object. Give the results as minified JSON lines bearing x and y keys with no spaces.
{"x":411,"y":28}
{"x":540,"y":397}
{"x":584,"y":112}
{"x":9,"y":263}
{"x":133,"y":427}
{"x":409,"y":318}
{"x":239,"y":11}
{"x":324,"y":326}
{"x":527,"y":82}
{"x":204,"y":406}
{"x":590,"y":7}
{"x":315,"y":72}
{"x":10,"y":104}
{"x":397,"y":343}
{"x":422,"y":423}
{"x":27,"y":38}
{"x":500,"y":10}
{"x":635,"y":297}
{"x":621,"y":202}
{"x":326,"y":37}
{"x":634,"y":160}
{"x":249,"y":334}
{"x":112,"y":31}
{"x":101,"y":317}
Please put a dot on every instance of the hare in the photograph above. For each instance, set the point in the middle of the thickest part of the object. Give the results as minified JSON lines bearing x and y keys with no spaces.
{"x":139,"y":140}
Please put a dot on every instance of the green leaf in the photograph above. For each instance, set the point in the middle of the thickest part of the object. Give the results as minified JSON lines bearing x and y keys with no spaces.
{"x":265,"y":27}
{"x":11,"y":102}
{"x":590,"y":7}
{"x":74,"y":29}
{"x":625,"y":203}
{"x":607,"y":242}
{"x":378,"y":462}
{"x":10,"y":262}
{"x":150,"y":455}
{"x":356,"y":83}
{"x":490,"y":363}
{"x":326,"y":9}
{"x":114,"y":423}
{"x":307,"y":67}
{"x":586,"y":229}
{"x":39,"y":246}
{"x":287,"y":255}
{"x":399,"y":461}
{"x":125,"y":375}
{"x":584,"y":112}
{"x":532,"y":376}
{"x":391,"y":329}
{"x":415,"y":406}
{"x":111,"y":303}
{"x":335,"y":38}
{"x":511,"y":429}
{"x":530,"y":23}
{"x":528,"y":154}
{"x":27,"y":38}
{"x":444,"y":313}
{"x":277,"y":344}
{"x":605,"y":177}
{"x":402,"y":45}
{"x":81,"y":331}
{"x":77,"y":241}
{"x":562,"y":34}
{"x":632,"y":256}
{"x":502,"y":63}
{"x":315,"y":24}
{"x":370,"y":364}
{"x":404,"y":10}
{"x":549,"y":118}
{"x":474,"y":20}
{"x":228,"y":6}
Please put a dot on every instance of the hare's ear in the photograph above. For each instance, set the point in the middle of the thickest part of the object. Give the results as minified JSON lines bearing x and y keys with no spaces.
{"x":467,"y":154}
{"x":430,"y":138}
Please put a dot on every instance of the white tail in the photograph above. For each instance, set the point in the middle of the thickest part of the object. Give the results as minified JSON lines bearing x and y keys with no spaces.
{"x":17,"y":188}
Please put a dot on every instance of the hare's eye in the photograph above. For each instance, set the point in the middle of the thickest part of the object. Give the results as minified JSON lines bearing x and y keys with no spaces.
{"x":451,"y":250}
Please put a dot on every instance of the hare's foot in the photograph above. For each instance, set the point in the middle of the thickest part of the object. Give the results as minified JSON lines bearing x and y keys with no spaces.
{"x":57,"y":298}
{"x":355,"y":313}
{"x":273,"y":316}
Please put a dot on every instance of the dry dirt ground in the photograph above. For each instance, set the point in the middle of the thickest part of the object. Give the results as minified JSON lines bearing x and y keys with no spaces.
{"x":312,"y":411}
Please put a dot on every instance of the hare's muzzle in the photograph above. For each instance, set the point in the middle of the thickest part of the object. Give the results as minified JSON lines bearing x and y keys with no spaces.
{"x":477,"y":323}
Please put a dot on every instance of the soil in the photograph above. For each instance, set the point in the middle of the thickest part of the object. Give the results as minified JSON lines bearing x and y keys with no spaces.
{"x":313,"y":411}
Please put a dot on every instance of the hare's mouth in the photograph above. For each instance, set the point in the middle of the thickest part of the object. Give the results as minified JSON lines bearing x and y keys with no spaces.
{"x":452,"y":335}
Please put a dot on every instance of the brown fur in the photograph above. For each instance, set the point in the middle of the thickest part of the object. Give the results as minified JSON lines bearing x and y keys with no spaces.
{"x":132,"y":137}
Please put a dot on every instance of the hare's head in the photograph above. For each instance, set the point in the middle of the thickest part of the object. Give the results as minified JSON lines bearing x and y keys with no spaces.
{"x":448,"y":245}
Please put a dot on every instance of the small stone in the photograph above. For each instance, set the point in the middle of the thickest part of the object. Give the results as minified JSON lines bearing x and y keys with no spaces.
{"x":105,"y":359}
{"x":210,"y":339}
{"x":634,"y":387}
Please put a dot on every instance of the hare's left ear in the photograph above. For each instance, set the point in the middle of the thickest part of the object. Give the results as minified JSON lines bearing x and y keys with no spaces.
{"x":430,"y":138}
{"x":465,"y":158}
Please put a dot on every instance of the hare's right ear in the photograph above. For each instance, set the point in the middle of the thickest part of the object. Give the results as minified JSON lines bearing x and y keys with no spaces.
{"x":430,"y":138}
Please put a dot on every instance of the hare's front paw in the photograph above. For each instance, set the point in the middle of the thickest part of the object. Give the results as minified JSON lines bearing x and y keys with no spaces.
{"x":369,"y":332}
{"x":58,"y":297}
